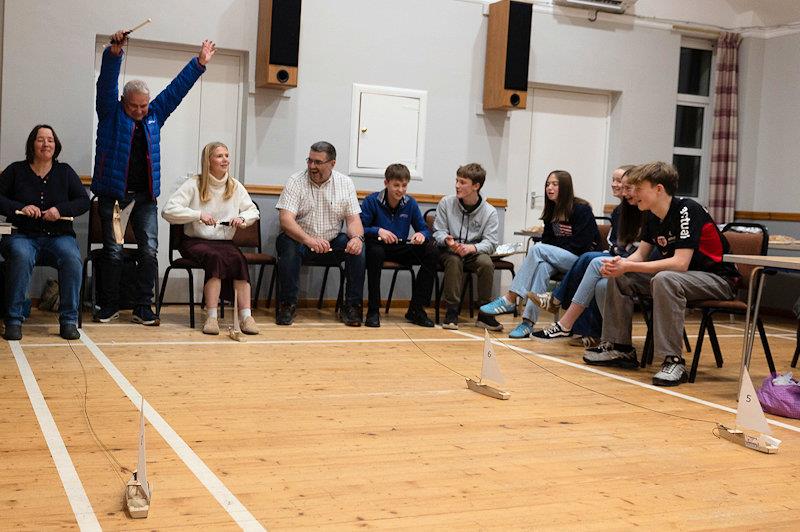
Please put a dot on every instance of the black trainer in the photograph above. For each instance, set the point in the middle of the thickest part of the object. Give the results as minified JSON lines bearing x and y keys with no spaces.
{"x":106,"y":314}
{"x":143,"y":314}
{"x":351,"y":315}
{"x":451,"y":318}
{"x":487,"y":321}
{"x":13,"y":332}
{"x":285,"y":313}
{"x":417,"y":316}
{"x":69,"y":331}
{"x":373,"y":319}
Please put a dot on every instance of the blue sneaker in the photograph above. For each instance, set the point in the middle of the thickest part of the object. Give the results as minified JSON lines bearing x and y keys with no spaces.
{"x":497,"y":307}
{"x":523,"y":330}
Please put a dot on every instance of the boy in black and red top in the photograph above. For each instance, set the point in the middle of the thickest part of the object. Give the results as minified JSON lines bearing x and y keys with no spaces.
{"x":679,"y":260}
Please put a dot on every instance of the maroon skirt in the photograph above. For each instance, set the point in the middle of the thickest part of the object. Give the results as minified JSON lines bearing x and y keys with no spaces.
{"x":220,"y":259}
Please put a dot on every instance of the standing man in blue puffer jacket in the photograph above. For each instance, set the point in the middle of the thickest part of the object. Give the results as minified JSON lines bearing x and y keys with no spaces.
{"x":127,"y":168}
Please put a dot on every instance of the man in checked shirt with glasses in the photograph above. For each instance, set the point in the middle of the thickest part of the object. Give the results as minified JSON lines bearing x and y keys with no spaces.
{"x":311,"y":208}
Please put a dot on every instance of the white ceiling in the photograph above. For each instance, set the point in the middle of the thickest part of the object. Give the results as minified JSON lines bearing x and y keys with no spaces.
{"x":725,"y":13}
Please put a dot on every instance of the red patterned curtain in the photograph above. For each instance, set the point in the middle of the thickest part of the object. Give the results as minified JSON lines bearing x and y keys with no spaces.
{"x":724,"y":154}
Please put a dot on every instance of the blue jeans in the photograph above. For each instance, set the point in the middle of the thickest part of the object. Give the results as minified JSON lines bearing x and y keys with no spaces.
{"x":582,"y":284}
{"x":542,"y":261}
{"x":22,"y":252}
{"x":290,"y":258}
{"x":144,"y":221}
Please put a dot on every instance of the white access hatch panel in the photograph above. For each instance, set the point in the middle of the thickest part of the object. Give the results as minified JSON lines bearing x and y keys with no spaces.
{"x":388,"y":127}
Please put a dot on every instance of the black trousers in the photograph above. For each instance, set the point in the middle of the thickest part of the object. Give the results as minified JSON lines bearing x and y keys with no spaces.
{"x":426,"y":255}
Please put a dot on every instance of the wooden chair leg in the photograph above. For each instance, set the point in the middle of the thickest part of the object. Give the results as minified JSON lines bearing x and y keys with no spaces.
{"x":765,"y":345}
{"x":437,"y":287}
{"x":471,"y":298}
{"x":163,"y":288}
{"x":322,"y":288}
{"x":698,"y":347}
{"x":516,"y":305}
{"x":258,"y":285}
{"x":82,"y":295}
{"x":272,"y":284}
{"x":340,"y":295}
{"x":191,"y":298}
{"x":391,"y":292}
{"x":712,"y":336}
{"x":647,"y":349}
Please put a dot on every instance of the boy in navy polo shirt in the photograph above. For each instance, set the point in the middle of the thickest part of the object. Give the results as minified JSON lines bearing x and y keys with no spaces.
{"x":688,"y":267}
{"x":387,"y":217}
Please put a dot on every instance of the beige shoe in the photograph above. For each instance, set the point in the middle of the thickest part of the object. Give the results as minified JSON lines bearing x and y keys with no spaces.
{"x":211,"y":326}
{"x":248,"y":325}
{"x":545,"y":301}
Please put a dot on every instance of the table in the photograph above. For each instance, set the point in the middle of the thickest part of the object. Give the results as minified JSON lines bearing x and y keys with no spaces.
{"x":533,"y":236}
{"x":760,"y":262}
{"x":786,"y":247}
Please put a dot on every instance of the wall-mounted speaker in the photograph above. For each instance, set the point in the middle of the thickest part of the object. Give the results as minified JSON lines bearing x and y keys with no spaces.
{"x":278,"y":45}
{"x":508,"y":48}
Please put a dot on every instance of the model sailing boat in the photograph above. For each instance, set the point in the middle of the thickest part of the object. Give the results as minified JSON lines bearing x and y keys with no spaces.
{"x":137,"y":491}
{"x":752,"y":430}
{"x":490,"y":373}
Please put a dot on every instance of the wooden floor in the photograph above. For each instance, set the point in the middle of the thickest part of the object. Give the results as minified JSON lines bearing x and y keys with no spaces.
{"x":320,"y":425}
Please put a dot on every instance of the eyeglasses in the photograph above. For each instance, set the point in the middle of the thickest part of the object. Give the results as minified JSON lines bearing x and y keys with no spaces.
{"x":314,"y":162}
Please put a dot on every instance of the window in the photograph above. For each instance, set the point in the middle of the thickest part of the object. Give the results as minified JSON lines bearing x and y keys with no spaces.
{"x":691,"y":153}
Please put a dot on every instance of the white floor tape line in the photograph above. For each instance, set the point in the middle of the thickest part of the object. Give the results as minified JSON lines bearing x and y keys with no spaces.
{"x":212,"y":483}
{"x":589,"y":369}
{"x":73,"y":487}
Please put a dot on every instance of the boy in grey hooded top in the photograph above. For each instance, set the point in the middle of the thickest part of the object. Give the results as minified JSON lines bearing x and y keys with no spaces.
{"x":466,"y":226}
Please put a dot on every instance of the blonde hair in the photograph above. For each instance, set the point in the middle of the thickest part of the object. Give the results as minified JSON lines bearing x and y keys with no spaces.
{"x":204,"y":177}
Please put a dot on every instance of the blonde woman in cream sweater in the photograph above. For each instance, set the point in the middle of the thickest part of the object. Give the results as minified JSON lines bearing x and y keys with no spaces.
{"x":211,"y":206}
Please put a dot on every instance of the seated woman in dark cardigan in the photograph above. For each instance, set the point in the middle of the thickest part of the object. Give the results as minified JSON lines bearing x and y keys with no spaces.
{"x":36,"y":195}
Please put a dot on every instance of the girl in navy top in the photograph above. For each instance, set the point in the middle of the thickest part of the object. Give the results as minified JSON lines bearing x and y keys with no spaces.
{"x":569,"y":231}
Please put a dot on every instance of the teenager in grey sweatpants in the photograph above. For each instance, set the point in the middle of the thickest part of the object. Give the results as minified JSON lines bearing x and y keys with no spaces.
{"x":670,"y":292}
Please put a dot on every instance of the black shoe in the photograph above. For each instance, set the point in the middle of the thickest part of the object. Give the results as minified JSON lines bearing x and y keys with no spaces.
{"x":451,"y":318}
{"x":417,"y":316}
{"x":106,"y":314}
{"x":13,"y":332}
{"x":144,"y":315}
{"x":351,"y":315}
{"x":373,"y":319}
{"x":487,"y":321}
{"x":69,"y":331}
{"x":285,"y":313}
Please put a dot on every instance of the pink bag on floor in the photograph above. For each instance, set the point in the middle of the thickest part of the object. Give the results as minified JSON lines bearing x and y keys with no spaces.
{"x":780,"y":396}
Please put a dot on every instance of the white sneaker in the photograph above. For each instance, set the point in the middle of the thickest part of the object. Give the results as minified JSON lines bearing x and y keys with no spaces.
{"x":606,"y":355}
{"x":673,"y":372}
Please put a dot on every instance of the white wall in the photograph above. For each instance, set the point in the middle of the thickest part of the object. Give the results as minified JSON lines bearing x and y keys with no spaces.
{"x":778,"y":159}
{"x":434,"y":46}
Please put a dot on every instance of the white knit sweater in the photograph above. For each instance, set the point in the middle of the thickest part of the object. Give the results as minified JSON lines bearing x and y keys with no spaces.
{"x":184,"y":207}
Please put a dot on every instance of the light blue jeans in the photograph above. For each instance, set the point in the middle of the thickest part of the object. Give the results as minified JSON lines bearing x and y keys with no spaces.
{"x":588,"y":287}
{"x":542,"y":261}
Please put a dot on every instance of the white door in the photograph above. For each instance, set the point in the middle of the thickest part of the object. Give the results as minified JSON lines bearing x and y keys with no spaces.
{"x":211,"y":111}
{"x":569,"y":131}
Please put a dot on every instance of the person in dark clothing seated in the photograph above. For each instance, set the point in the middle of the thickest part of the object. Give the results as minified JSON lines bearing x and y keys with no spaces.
{"x":582,"y":291}
{"x":387,"y":217}
{"x":569,"y":231}
{"x":36,"y":195}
